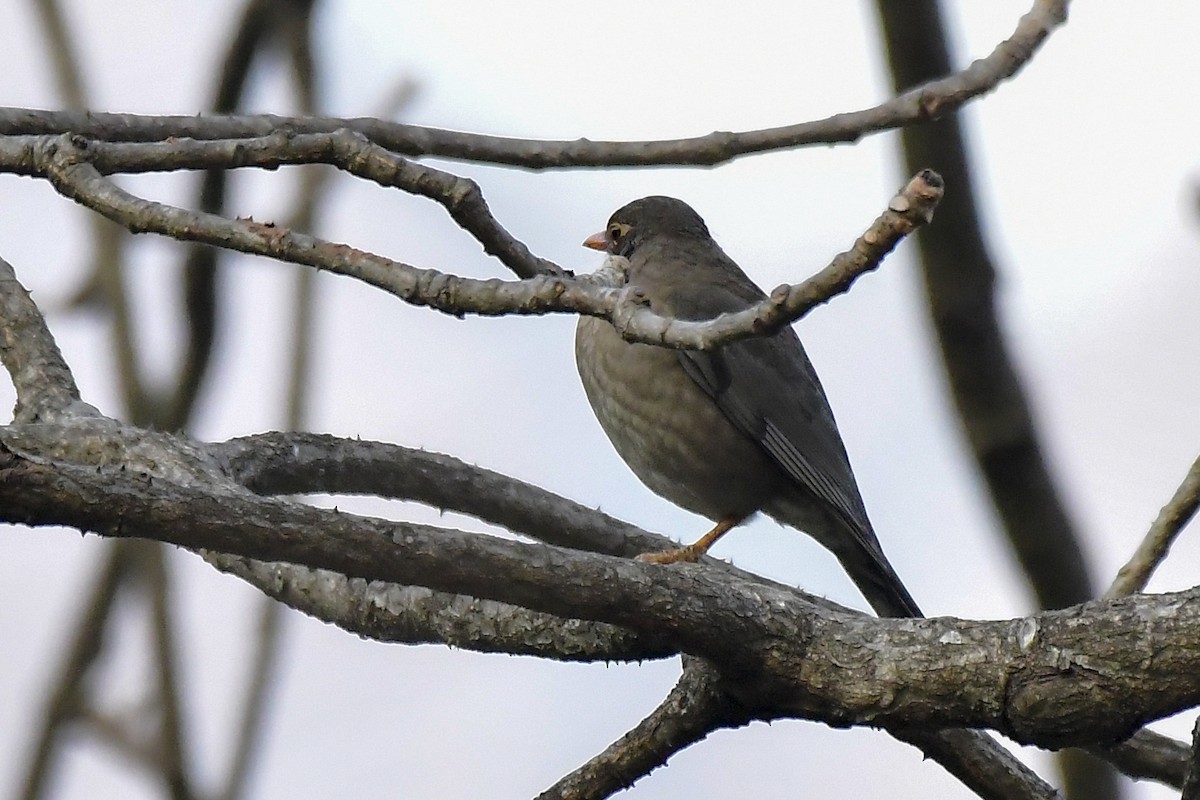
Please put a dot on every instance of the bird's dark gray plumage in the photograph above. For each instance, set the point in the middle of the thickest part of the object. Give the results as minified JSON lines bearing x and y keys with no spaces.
{"x":729,"y":432}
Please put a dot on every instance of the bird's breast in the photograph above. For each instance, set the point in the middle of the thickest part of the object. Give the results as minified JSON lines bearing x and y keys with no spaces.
{"x":668,"y":430}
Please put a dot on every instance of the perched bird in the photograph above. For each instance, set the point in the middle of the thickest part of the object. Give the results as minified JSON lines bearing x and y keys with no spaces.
{"x":729,"y":432}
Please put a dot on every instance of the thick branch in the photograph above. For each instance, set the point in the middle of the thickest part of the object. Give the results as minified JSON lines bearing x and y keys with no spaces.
{"x":1084,"y":675}
{"x":1191,"y":782}
{"x":416,"y":615}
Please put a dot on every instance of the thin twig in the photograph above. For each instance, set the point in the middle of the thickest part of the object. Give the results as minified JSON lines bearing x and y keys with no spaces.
{"x":296,"y":32}
{"x":920,"y":104}
{"x":173,"y":769}
{"x":65,"y":163}
{"x":911,"y":208}
{"x":346,"y":149}
{"x":69,"y":697}
{"x":201,"y":268}
{"x":462,"y":198}
{"x":61,"y":47}
{"x":105,"y":283}
{"x":1172,"y":519}
{"x":263,"y":666}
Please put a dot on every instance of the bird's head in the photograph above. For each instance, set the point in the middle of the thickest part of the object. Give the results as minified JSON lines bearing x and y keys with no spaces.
{"x":649,"y":217}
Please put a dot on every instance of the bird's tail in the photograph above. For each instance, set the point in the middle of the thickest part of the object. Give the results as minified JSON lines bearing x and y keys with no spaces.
{"x":877,"y":581}
{"x":856,"y":547}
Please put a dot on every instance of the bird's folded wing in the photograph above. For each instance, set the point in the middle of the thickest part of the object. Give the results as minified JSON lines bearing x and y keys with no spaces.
{"x":768,"y":389}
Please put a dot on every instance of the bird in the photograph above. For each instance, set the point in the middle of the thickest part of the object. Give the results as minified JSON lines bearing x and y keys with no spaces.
{"x":729,"y":432}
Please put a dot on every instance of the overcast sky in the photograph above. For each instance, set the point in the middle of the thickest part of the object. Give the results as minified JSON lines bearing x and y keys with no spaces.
{"x":1088,"y":172}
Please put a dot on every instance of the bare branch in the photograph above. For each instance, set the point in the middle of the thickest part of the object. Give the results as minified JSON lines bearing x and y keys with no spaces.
{"x":46,"y":390}
{"x":260,"y":29}
{"x":912,"y":207}
{"x":172,"y":763}
{"x":1038,"y":680}
{"x":259,"y":691}
{"x":277,"y":463}
{"x":69,"y":698}
{"x":693,"y":709}
{"x":1150,"y":756}
{"x":346,"y":149}
{"x":291,"y":22}
{"x":988,"y":769}
{"x":985,"y":383}
{"x":1172,"y":519}
{"x":415,"y":615}
{"x":62,"y":51}
{"x":65,"y":162}
{"x":1191,"y":783}
{"x":305,"y":463}
{"x":104,"y":285}
{"x":986,"y":387}
{"x":920,"y":104}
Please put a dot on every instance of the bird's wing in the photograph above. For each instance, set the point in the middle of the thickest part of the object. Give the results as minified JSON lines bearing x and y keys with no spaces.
{"x":769,"y":390}
{"x":765,"y":385}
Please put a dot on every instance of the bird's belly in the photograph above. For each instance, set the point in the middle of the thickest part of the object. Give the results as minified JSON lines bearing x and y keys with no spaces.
{"x":668,"y":430}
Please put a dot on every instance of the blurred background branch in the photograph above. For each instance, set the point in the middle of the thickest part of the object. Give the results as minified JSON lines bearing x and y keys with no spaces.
{"x":995,"y":413}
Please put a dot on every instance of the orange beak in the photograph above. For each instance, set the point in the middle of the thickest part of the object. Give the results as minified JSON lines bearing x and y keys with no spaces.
{"x":597,"y":241}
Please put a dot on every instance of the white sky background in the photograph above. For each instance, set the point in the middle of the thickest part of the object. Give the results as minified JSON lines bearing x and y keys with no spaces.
{"x":1087,"y":167}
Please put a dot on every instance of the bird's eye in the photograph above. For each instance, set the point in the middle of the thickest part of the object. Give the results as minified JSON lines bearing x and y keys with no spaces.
{"x":615,"y":232}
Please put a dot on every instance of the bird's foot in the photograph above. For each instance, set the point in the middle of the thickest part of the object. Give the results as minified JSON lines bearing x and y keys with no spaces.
{"x":688,"y":554}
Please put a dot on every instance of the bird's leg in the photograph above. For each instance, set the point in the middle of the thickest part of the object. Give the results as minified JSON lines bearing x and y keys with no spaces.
{"x":693,"y":551}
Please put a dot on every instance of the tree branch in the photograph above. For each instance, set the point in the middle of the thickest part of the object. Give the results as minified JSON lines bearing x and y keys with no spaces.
{"x":65,"y":161}
{"x":693,"y":709}
{"x":415,"y":615}
{"x":171,"y":757}
{"x":46,"y":390}
{"x":920,"y":104}
{"x":1172,"y":519}
{"x":987,"y":390}
{"x":984,"y":383}
{"x":1073,"y":677}
{"x":69,"y":698}
{"x":304,"y":463}
{"x":344,"y":148}
{"x":1150,"y":756}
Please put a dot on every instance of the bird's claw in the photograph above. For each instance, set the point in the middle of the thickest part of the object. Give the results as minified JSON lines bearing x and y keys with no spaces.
{"x":686,"y":554}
